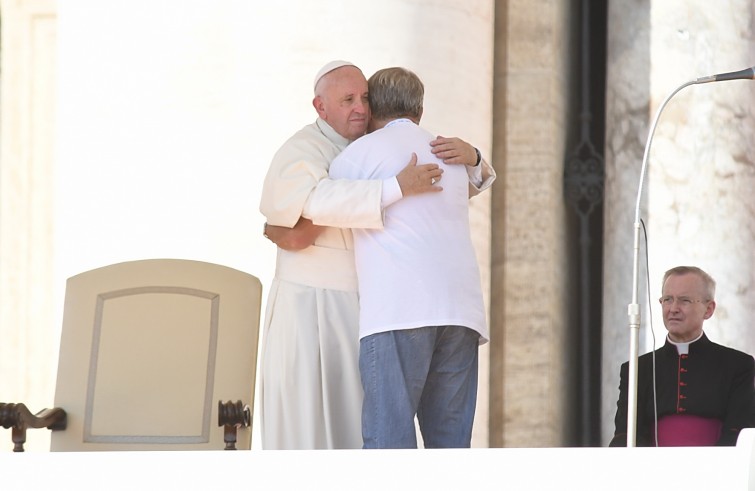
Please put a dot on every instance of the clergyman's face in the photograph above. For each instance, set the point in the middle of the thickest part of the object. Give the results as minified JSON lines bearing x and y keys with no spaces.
{"x":685,"y":307}
{"x":342,"y":101}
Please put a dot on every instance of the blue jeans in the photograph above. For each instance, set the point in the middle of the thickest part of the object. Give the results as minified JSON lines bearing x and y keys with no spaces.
{"x":430,"y":372}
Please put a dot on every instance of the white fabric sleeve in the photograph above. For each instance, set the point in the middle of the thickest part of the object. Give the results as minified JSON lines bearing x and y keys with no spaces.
{"x":391,"y":192}
{"x":481,"y":177}
{"x":287,"y":187}
{"x":346,"y":203}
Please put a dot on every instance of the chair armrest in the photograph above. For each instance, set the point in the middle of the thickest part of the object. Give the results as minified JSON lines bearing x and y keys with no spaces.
{"x":19,"y":418}
{"x":231,"y":416}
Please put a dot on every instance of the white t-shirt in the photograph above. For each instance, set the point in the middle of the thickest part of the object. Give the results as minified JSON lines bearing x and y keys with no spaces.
{"x":420,"y":270}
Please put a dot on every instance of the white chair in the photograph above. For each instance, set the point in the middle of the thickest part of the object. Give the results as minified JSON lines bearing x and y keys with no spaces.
{"x":149,"y":351}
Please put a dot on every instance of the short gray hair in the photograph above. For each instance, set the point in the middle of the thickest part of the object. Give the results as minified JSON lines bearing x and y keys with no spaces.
{"x":394,"y":93}
{"x":708,"y":282}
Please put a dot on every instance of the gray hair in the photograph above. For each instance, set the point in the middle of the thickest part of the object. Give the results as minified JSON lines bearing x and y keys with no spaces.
{"x":394,"y":93}
{"x":708,"y":282}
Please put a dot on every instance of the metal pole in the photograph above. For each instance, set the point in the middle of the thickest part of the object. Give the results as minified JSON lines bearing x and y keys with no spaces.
{"x":634,"y":307}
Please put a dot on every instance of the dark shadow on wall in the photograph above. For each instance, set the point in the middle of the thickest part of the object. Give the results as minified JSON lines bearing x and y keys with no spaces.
{"x":584,"y":177}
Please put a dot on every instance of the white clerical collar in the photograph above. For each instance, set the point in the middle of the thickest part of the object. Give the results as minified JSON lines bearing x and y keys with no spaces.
{"x":682,"y":348}
{"x":331,"y":134}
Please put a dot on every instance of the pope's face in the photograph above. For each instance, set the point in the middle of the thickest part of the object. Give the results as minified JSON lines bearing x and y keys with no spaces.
{"x":343,"y":103}
{"x":685,"y":307}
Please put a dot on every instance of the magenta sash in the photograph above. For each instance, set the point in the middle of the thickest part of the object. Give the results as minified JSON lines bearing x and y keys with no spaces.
{"x":685,"y":430}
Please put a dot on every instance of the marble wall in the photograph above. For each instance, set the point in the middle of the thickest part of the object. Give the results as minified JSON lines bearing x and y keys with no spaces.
{"x":531,"y":278}
{"x":138,"y":129}
{"x":697,"y":200}
{"x":82,"y":167}
{"x":28,"y":334}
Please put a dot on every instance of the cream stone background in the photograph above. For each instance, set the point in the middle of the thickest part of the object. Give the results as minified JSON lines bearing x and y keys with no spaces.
{"x":698,"y":201}
{"x":139,"y":129}
{"x":134,"y":129}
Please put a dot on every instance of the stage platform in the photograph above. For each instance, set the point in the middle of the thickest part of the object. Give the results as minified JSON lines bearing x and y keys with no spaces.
{"x":528,"y":469}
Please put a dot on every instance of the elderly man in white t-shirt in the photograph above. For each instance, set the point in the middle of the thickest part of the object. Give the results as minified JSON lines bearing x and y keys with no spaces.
{"x":422,"y":315}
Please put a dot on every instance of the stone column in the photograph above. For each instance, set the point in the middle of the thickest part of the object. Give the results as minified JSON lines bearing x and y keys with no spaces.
{"x":28,"y":336}
{"x":698,"y":196}
{"x":627,"y":109}
{"x":528,"y":379}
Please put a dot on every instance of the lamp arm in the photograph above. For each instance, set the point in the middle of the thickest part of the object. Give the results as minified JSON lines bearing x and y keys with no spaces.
{"x":633,"y":309}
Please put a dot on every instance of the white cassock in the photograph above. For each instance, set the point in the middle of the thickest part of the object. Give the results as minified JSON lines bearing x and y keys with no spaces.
{"x":311,"y":394}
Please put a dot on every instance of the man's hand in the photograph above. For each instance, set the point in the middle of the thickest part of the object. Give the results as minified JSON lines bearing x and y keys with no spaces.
{"x":418,"y":179}
{"x":454,"y":151}
{"x":300,"y":237}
